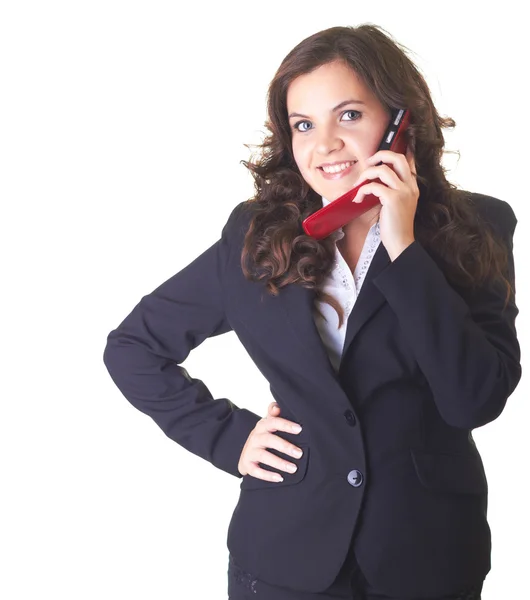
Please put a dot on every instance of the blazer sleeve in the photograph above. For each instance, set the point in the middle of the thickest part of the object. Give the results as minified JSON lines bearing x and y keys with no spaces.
{"x":467,"y":349}
{"x":144,"y":354}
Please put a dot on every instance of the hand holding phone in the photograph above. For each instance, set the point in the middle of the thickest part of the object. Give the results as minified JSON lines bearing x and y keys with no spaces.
{"x":338,"y":213}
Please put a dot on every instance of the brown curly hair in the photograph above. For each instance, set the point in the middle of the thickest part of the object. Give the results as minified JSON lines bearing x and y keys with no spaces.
{"x":277,"y":250}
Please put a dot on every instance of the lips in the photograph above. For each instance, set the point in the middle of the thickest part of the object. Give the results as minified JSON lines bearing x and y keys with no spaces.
{"x":337,"y":162}
{"x":338,"y":175}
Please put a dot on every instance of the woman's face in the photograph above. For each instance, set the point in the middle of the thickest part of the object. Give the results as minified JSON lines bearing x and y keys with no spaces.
{"x":322,"y":135}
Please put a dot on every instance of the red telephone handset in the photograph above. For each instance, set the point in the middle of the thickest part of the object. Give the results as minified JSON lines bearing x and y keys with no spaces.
{"x":329,"y":218}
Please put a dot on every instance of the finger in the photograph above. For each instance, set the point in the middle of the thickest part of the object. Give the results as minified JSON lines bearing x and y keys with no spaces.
{"x":384,"y":173}
{"x":377,"y":189}
{"x":271,"y":412}
{"x":260,"y":473}
{"x":398,"y":162}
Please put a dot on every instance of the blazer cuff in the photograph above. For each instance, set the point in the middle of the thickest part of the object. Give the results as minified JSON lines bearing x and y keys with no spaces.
{"x":411,"y":278}
{"x":402,"y":274}
{"x":229,"y":445}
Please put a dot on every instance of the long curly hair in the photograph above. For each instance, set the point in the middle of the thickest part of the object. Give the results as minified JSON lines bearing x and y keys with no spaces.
{"x":277,"y":251}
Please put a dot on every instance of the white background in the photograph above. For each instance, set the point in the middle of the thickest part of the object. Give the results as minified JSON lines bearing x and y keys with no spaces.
{"x":122,"y":128}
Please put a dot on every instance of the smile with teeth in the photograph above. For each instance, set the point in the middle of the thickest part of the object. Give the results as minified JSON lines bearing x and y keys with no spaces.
{"x":338,"y":168}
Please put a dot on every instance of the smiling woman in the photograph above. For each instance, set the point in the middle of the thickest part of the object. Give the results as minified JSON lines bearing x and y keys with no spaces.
{"x":386,"y":366}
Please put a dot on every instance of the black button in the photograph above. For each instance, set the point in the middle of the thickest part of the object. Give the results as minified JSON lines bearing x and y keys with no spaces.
{"x":350,"y":417}
{"x":355,"y":478}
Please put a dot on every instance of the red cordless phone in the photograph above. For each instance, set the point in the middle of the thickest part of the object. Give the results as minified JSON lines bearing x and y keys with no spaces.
{"x":329,"y":218}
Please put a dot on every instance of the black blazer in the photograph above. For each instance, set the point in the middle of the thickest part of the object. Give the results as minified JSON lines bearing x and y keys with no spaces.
{"x":388,"y":453}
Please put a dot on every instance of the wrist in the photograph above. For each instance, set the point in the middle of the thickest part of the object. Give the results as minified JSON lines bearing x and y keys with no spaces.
{"x":397,"y":249}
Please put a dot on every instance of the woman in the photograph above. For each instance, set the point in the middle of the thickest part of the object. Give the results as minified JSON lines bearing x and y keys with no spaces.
{"x":387,"y":342}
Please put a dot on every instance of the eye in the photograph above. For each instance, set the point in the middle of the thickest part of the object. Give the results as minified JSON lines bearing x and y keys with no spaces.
{"x":359,"y":114}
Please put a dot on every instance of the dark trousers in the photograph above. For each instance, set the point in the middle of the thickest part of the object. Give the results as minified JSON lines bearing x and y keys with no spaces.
{"x":350,"y":584}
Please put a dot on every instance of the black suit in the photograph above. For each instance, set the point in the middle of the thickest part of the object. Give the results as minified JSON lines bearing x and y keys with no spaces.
{"x":388,"y":452}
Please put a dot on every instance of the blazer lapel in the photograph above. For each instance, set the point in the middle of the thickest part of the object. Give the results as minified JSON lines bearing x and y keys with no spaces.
{"x":369,"y":300}
{"x":298,"y":302}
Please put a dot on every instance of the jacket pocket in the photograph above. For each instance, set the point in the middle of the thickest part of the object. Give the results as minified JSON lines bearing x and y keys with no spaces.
{"x":445,"y":472}
{"x":254,"y":483}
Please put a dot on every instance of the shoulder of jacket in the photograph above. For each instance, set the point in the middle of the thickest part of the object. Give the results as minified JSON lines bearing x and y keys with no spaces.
{"x":497,"y":213}
{"x":239,"y":219}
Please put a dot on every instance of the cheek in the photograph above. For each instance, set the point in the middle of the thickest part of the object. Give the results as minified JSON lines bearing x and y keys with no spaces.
{"x":302,"y":157}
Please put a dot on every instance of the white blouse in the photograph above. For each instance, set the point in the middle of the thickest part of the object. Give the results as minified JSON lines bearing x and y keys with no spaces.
{"x":345,"y":287}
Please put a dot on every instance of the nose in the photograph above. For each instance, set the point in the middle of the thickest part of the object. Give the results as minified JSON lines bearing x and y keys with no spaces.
{"x":326,"y":147}
{"x":328,"y":141}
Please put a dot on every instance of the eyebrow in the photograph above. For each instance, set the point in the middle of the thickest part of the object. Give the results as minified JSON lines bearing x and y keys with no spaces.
{"x":295,"y":114}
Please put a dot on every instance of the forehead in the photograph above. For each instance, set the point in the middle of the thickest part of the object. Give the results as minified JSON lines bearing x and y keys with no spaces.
{"x":326,"y":86}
